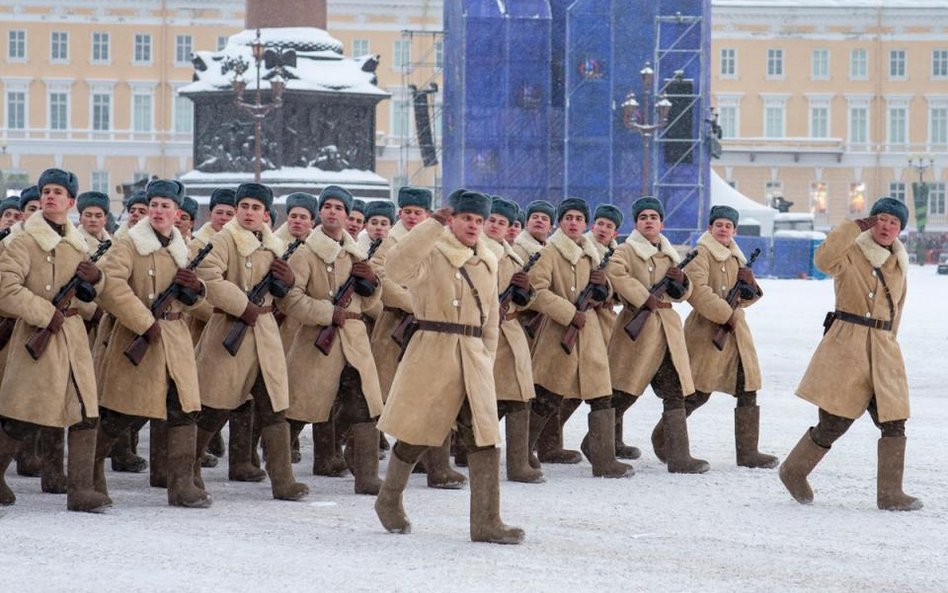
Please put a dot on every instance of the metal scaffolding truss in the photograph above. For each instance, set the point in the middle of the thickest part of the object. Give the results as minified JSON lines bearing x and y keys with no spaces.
{"x":421,"y":75}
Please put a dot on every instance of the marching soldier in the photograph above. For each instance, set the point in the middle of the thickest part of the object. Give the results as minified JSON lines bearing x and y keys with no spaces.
{"x":567,"y":264}
{"x":244,"y":252}
{"x":658,"y":356}
{"x":513,"y":375}
{"x":379,"y":218}
{"x":356,"y":219}
{"x":858,"y":366}
{"x":136,"y":206}
{"x":93,"y":209}
{"x":516,"y":226}
{"x":29,"y":202}
{"x":9,"y":212}
{"x":347,"y":373}
{"x":58,"y":388}
{"x":186,"y":217}
{"x":163,"y":385}
{"x":718,"y":267}
{"x":452,"y":275}
{"x":300,"y":216}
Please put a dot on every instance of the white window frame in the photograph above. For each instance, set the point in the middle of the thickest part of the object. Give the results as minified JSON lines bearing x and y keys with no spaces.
{"x":178,"y":44}
{"x":859,"y":64}
{"x":937,"y":197}
{"x":145,"y":90}
{"x":814,"y":75}
{"x":101,"y":88}
{"x":939,"y":64}
{"x":898,"y":190}
{"x":938,"y":140}
{"x":774,"y":101}
{"x":728,"y":58}
{"x":146,"y":44}
{"x":775,"y":61}
{"x":96,"y":184}
{"x":896,"y":103}
{"x":898,"y":64}
{"x":732,"y":102}
{"x":857,"y":189}
{"x":819,"y":101}
{"x":854,"y":103}
{"x":401,"y":55}
{"x":365,"y":44}
{"x":58,"y":88}
{"x":175,"y":98}
{"x":58,"y":39}
{"x":400,"y":97}
{"x":8,"y":112}
{"x":107,"y":38}
{"x":222,"y":41}
{"x":21,"y":44}
{"x":816,"y":206}
{"x":439,"y":54}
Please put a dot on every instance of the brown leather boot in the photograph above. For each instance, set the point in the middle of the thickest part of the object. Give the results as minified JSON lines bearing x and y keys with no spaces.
{"x":388,"y":504}
{"x":8,"y":448}
{"x":158,"y":453}
{"x":550,"y":444}
{"x":677,"y":448}
{"x":124,"y":458}
{"x":103,"y":444}
{"x":538,"y":424}
{"x":365,"y":444}
{"x":440,"y":473}
{"x":276,"y":437}
{"x":326,"y":460}
{"x":81,"y":495}
{"x":28,"y":463}
{"x":240,"y":467}
{"x":602,"y":448}
{"x":518,"y":453}
{"x":52,"y":451}
{"x":486,"y":524}
{"x":889,"y":494}
{"x":798,"y":465}
{"x":181,"y":489}
{"x":746,"y":434}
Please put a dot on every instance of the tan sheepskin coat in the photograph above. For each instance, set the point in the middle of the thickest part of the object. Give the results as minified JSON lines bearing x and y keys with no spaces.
{"x":635,"y":267}
{"x":713,"y":273}
{"x":513,"y":369}
{"x":237,"y":263}
{"x":321,"y":266}
{"x":384,"y":349}
{"x":199,"y":315}
{"x":558,"y":278}
{"x":33,"y":267}
{"x":853,"y":362}
{"x":607,"y":311}
{"x":440,"y":370}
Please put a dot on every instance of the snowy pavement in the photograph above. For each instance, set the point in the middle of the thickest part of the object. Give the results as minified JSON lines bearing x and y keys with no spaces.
{"x":730,"y":530}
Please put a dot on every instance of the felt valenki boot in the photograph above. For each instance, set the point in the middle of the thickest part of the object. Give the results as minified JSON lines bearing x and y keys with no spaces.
{"x":326,"y":458}
{"x":52,"y":446}
{"x":746,"y":435}
{"x":516,"y":426}
{"x":797,"y":466}
{"x":677,"y":447}
{"x":181,"y":489}
{"x":276,"y":437}
{"x":889,"y":494}
{"x":158,"y":453}
{"x":388,"y":504}
{"x":28,"y":463}
{"x":365,"y":443}
{"x":440,"y":473}
{"x":81,"y":494}
{"x":240,"y":467}
{"x":486,"y":524}
{"x":8,"y":448}
{"x":602,"y":452}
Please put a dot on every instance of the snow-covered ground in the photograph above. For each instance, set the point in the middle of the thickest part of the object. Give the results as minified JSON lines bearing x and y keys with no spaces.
{"x":728,"y":530}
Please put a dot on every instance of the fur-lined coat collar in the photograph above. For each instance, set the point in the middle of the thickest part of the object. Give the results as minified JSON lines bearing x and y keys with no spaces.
{"x":205,"y":233}
{"x":328,"y":249}
{"x":283,"y":233}
{"x":247,"y":242}
{"x":877,"y":254}
{"x":122,"y":230}
{"x":502,"y":249}
{"x":602,"y":249}
{"x":645,"y":250}
{"x":458,"y":253}
{"x":398,"y":231}
{"x":720,"y":252}
{"x":146,"y":242}
{"x":573,"y":251}
{"x":92,"y":240}
{"x":529,"y":244}
{"x":47,"y":239}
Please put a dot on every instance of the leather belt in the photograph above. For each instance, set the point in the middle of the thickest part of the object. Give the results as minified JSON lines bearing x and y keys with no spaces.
{"x":263,"y":311}
{"x":171,"y":316}
{"x":70,"y":312}
{"x":882,"y":324}
{"x":473,"y":331}
{"x":394,"y":310}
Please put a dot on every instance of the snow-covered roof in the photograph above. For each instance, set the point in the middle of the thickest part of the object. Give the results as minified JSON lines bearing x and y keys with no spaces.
{"x":291,"y":174}
{"x":320,"y":64}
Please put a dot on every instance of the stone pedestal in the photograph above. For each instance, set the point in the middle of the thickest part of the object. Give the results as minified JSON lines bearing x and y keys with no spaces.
{"x":263,"y":14}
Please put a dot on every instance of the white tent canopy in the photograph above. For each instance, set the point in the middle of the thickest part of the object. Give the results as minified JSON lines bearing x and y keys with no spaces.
{"x":722,"y":194}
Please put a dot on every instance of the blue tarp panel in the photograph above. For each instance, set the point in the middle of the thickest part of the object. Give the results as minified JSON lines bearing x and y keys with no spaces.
{"x":762,"y":267}
{"x":793,"y":258}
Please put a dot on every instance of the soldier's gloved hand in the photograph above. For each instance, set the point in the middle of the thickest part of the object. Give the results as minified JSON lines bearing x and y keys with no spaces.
{"x":579,"y":320}
{"x":188,"y":279}
{"x":443,"y":214}
{"x":283,"y":272}
{"x":520,"y":280}
{"x":866,"y":223}
{"x":56,"y":322}
{"x":652,"y":303}
{"x":250,"y":314}
{"x":746,"y":275}
{"x":597,"y":277}
{"x":364,"y":271}
{"x":153,"y":333}
{"x":87,"y":272}
{"x":338,"y":316}
{"x":675,"y":274}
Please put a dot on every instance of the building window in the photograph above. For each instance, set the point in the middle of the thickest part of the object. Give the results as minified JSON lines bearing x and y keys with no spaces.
{"x":898,"y":125}
{"x":774,"y":63}
{"x":183,"y":114}
{"x":938,"y":126}
{"x":858,"y":125}
{"x":100,"y":48}
{"x":100,"y":181}
{"x":360,"y":47}
{"x":141,"y":112}
{"x":101,"y":112}
{"x":16,"y":110}
{"x":818,"y":194}
{"x":774,"y":121}
{"x":58,"y":111}
{"x":936,"y":199}
{"x":897,"y":63}
{"x":940,"y":63}
{"x":400,"y":115}
{"x":819,"y":121}
{"x":402,"y":55}
{"x":857,"y":198}
{"x":727,"y":119}
{"x":182,"y":49}
{"x":728,"y":62}
{"x":820,"y":64}
{"x":59,"y":46}
{"x":439,"y":54}
{"x":858,"y":64}
{"x":897,"y":190}
{"x":222,"y":41}
{"x":16,"y":49}
{"x":772,"y":191}
{"x":142,"y":48}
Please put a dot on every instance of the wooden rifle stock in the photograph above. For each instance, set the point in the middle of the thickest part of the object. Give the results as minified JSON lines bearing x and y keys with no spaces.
{"x":733,"y":299}
{"x":39,"y":341}
{"x":238,"y":330}
{"x":327,"y":335}
{"x":507,"y":295}
{"x":6,"y":330}
{"x":634,"y":327}
{"x":582,"y":305}
{"x":139,"y":346}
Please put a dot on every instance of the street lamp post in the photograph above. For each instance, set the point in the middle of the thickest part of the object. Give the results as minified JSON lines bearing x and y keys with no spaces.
{"x":640,"y":120}
{"x":258,"y":110}
{"x":920,"y":191}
